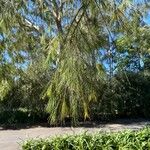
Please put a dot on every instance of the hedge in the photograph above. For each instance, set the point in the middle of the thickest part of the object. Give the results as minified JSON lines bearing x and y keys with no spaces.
{"x":126,"y":140}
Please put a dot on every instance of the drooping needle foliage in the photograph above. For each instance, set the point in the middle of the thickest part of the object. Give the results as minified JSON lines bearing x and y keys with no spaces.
{"x":74,"y":52}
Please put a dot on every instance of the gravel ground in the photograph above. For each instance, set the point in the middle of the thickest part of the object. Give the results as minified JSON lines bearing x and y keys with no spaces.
{"x":10,"y":139}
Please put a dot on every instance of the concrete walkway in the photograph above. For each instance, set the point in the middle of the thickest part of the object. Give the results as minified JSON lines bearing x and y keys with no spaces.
{"x":10,"y":139}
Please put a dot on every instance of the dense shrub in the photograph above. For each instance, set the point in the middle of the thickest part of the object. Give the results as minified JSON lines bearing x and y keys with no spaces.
{"x":128,"y":96}
{"x":20,"y":116}
{"x":127,"y":140}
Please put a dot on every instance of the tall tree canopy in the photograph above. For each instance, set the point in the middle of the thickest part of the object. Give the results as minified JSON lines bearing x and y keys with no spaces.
{"x":83,"y":42}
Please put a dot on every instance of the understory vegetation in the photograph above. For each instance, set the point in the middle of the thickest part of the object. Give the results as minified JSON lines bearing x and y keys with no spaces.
{"x":128,"y":98}
{"x":74,"y":60}
{"x":127,"y":140}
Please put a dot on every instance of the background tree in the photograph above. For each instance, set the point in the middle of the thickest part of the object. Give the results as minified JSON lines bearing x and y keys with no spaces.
{"x":75,"y":52}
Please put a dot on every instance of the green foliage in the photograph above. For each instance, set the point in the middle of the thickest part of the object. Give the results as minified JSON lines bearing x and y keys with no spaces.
{"x":4,"y":89}
{"x":134,"y":94}
{"x":21,"y":116}
{"x":129,"y":140}
{"x":128,"y":97}
{"x":66,"y":56}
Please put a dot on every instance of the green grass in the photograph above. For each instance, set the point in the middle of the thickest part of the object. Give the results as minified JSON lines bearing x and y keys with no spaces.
{"x":126,"y":140}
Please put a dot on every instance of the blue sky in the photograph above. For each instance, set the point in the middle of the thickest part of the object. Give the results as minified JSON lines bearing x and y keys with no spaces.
{"x":147,"y":19}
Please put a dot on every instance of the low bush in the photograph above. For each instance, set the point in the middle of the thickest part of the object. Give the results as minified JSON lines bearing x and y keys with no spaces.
{"x":126,"y":140}
{"x":21,"y":116}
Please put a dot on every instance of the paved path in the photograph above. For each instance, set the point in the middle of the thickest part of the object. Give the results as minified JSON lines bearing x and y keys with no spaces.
{"x":9,"y":139}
